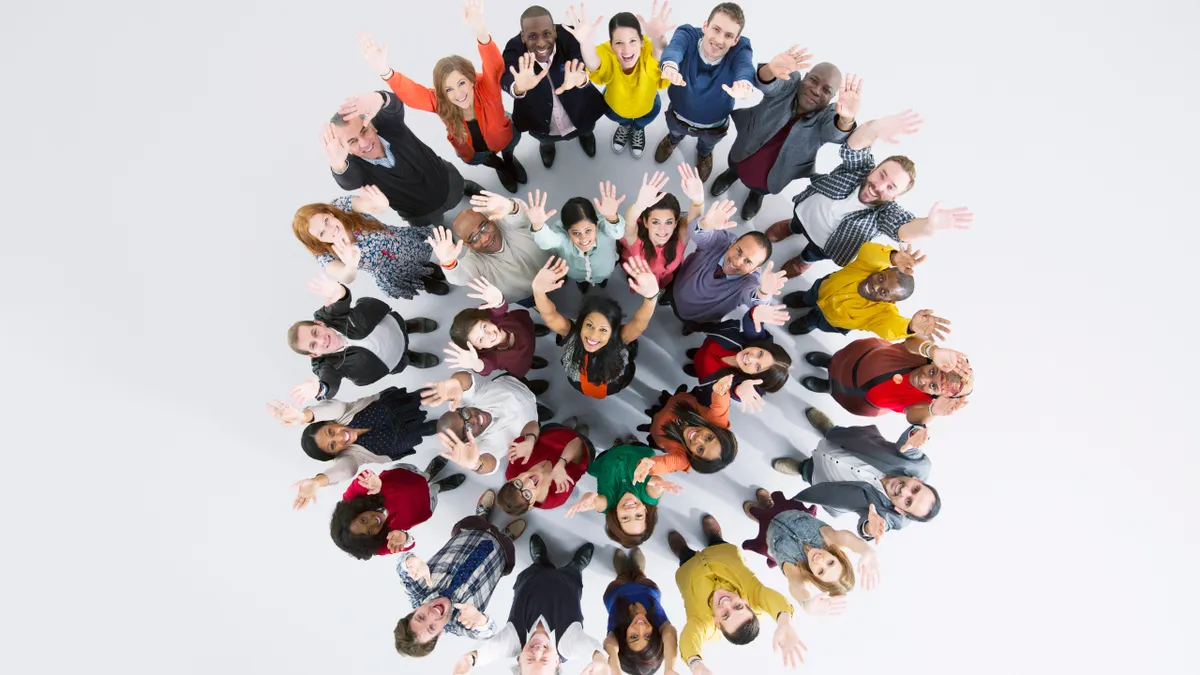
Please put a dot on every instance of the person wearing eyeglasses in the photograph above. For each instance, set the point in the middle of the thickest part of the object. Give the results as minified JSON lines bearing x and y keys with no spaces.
{"x":543,"y":467}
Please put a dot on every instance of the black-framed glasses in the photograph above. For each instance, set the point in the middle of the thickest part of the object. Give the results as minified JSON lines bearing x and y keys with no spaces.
{"x":527,"y":495}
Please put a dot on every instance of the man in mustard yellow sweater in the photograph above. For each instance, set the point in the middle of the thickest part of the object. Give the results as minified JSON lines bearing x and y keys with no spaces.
{"x":863,"y":296}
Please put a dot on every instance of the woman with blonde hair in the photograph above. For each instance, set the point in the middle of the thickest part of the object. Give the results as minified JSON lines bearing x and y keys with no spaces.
{"x":469,"y":103}
{"x":345,"y":239}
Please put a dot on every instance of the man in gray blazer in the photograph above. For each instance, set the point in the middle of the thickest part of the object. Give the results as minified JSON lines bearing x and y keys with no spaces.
{"x":778,"y":139}
{"x":856,"y":469}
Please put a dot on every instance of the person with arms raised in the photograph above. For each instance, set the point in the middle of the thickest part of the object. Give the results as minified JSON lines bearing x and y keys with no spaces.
{"x":656,"y":227}
{"x":494,"y":337}
{"x":640,"y":636}
{"x":585,"y":240}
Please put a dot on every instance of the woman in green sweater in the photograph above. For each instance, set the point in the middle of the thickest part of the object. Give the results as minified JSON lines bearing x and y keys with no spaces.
{"x":630,"y":508}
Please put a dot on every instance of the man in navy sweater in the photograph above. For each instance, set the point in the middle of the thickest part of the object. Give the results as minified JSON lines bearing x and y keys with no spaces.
{"x":711,"y":68}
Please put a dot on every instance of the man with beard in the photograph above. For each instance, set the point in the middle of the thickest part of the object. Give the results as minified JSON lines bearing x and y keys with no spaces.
{"x":856,"y":202}
{"x":856,"y":469}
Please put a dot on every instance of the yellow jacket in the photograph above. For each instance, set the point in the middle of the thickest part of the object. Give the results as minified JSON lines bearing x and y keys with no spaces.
{"x":842,"y":305}
{"x":718,"y":567}
{"x":630,"y":96}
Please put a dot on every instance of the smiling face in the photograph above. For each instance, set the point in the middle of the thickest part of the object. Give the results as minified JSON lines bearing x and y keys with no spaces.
{"x":885,"y":182}
{"x":660,"y":225}
{"x":326,"y":228}
{"x":368,"y":523}
{"x":595,"y":331}
{"x":631,"y":514}
{"x":474,"y":420}
{"x":818,"y":87}
{"x":334,"y":438}
{"x":477,"y":232}
{"x":721,"y":33}
{"x":702,"y":443}
{"x":626,"y":43}
{"x":430,"y":618}
{"x":583,"y":235}
{"x":929,"y":379}
{"x":485,"y":335}
{"x":319,"y":340}
{"x":909,"y":495}
{"x":537,"y":657}
{"x":637,"y":636}
{"x":743,"y":257}
{"x":539,"y":36}
{"x":754,"y":360}
{"x":823,"y":564}
{"x":459,"y":90}
{"x":729,"y":610}
{"x":527,"y":484}
{"x":360,"y":138}
{"x":881,"y":286}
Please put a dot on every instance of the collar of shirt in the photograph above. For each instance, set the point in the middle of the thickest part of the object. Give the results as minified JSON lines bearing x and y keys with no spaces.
{"x":541,"y":621}
{"x":700,"y":51}
{"x":546,"y":65}
{"x":345,"y":341}
{"x":388,"y":160}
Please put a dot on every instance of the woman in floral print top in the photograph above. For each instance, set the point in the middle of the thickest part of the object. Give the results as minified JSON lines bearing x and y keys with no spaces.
{"x":344,"y":240}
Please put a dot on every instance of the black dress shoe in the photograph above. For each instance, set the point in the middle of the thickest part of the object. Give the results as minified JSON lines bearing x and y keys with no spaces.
{"x":537,"y":551}
{"x":583,"y":556}
{"x":472,"y":189}
{"x":752,"y":205}
{"x":547,"y":151}
{"x":584,"y":286}
{"x":507,"y":179}
{"x":435,"y":286}
{"x":799,"y":327}
{"x":450,"y":482}
{"x":539,"y":363}
{"x":538,"y":387}
{"x":795,"y":300}
{"x":423,"y":360}
{"x":588,"y":143}
{"x":427,"y":429}
{"x":518,"y":171}
{"x":818,"y":359}
{"x":436,"y":465}
{"x":420,"y":325}
{"x":544,"y":414}
{"x":723,"y":182}
{"x":691,"y":353}
{"x":540,"y":331}
{"x":815,"y":384}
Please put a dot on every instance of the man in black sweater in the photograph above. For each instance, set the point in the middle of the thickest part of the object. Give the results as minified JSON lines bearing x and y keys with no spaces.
{"x":368,"y":143}
{"x":363,"y":343}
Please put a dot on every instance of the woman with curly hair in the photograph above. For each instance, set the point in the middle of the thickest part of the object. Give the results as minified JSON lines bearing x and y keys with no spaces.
{"x":630,"y":507}
{"x":378,"y":510}
{"x":598,"y":351}
{"x":469,"y":104}
{"x":808,"y":552}
{"x":345,"y":240}
{"x":745,"y":350}
{"x":640,"y":636}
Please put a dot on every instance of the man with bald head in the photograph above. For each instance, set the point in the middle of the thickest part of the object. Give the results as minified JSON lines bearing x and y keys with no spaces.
{"x":485,"y":418}
{"x":499,"y":247}
{"x":778,"y":139}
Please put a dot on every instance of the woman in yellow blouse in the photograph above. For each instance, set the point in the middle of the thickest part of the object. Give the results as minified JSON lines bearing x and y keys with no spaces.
{"x":721,"y":594}
{"x":627,"y":67}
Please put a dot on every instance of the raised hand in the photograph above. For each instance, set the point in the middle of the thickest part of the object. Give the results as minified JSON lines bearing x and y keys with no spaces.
{"x":692,"y":186}
{"x":335,"y":151}
{"x":752,"y":401}
{"x":364,"y":105}
{"x":492,"y":205}
{"x":586,"y":503}
{"x":349,"y":254}
{"x":397,"y":540}
{"x":437,"y":393}
{"x":719,"y":216}
{"x":535,"y":208}
{"x":660,"y":21}
{"x":558,"y":476}
{"x":723,"y":385}
{"x":876,"y":525}
{"x":491,"y":296}
{"x":463,"y":452}
{"x":951,"y":360}
{"x":823,"y":605}
{"x":472,"y":15}
{"x":672,"y":75}
{"x":290,"y":415}
{"x":470,"y":616}
{"x":642,"y":472}
{"x":928,"y":326}
{"x":467,"y":359}
{"x":371,"y":481}
{"x":463,"y":665}
{"x":906,"y":259}
{"x":664,"y":485}
{"x":893,"y":127}
{"x":641,"y":277}
{"x":372,"y":200}
{"x":374,"y":53}
{"x":327,"y":289}
{"x":943,"y":218}
{"x":849,"y":97}
{"x":597,"y":666}
{"x":917,"y":439}
{"x":783,"y":64}
{"x":772,"y":282}
{"x":868,"y":571}
{"x":418,"y":569}
{"x":944,"y":405}
{"x":787,"y":644}
{"x":574,"y":76}
{"x":306,"y":390}
{"x":445,"y":249}
{"x":608,"y":203}
{"x":550,"y":277}
{"x":306,"y":493}
{"x":520,"y":450}
{"x":773,"y":315}
{"x":698,"y":668}
{"x":525,"y":78}
{"x":577,"y":25}
{"x":741,"y":90}
{"x":651,"y":190}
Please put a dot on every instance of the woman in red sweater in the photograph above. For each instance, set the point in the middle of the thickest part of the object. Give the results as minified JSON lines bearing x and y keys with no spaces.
{"x":495,"y":337}
{"x":469,"y":103}
{"x":544,"y":467}
{"x":377,"y":510}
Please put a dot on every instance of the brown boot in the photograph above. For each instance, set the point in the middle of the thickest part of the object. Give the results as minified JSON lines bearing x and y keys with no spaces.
{"x":764,"y":498}
{"x":780,"y":231}
{"x":676,"y":543}
{"x":819,"y":420}
{"x":664,"y":150}
{"x":620,"y":562}
{"x":710,"y":527}
{"x":787,"y":466}
{"x":638,"y":559}
{"x":704,"y":167}
{"x":746,"y":506}
{"x":795,"y":267}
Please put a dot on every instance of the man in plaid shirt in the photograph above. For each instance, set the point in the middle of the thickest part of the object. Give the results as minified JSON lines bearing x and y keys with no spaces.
{"x":842,"y":210}
{"x":451,"y":591}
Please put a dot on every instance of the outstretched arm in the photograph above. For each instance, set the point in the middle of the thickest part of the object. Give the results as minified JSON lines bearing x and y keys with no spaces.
{"x":548,"y":279}
{"x":890,"y":129}
{"x":643,"y":282}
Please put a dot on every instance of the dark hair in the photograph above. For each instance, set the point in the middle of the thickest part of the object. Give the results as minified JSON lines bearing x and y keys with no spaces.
{"x":361,"y":546}
{"x":406,"y":639}
{"x":463,"y":322}
{"x":773,"y":378}
{"x":603,"y":365}
{"x":688,"y":416}
{"x":650,"y":658}
{"x":933,"y":510}
{"x":734,"y":11}
{"x":907,"y":284}
{"x":670,"y":203}
{"x":623,"y":20}
{"x":762,"y":239}
{"x":534,"y":11}
{"x":577,"y":209}
{"x":612,"y":527}
{"x":509,"y":499}
{"x":745,"y":633}
{"x":294,"y":336}
{"x":308,"y":441}
{"x":338,"y":120}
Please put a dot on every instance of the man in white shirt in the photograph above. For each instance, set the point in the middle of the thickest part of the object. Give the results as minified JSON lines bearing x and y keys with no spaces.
{"x":545,"y":624}
{"x":486,"y":417}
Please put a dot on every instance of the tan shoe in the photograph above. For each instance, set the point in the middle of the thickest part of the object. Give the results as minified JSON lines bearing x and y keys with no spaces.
{"x":764,"y":498}
{"x":515,"y":529}
{"x":704,"y":167}
{"x":795,"y":267}
{"x":620,"y":562}
{"x":746,"y":506}
{"x":638,"y":559}
{"x":819,"y":420}
{"x":786,"y":466}
{"x":780,"y":231}
{"x":664,"y":149}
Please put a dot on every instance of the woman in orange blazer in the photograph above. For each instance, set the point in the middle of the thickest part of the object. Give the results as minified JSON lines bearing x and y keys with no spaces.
{"x":693,"y":436}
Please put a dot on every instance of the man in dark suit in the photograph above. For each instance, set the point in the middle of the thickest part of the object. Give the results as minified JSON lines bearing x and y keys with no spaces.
{"x":363,"y":343}
{"x":564,"y":107}
{"x":856,"y":469}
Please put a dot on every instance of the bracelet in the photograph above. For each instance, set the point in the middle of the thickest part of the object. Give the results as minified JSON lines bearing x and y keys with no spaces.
{"x":390,"y":73}
{"x":926,"y":349}
{"x":472,"y":659}
{"x":515,"y":208}
{"x":478,"y":466}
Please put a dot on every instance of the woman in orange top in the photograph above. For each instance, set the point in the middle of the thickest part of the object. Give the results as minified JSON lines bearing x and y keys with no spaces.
{"x":469,"y":103}
{"x":598,"y":350}
{"x":692,"y":435}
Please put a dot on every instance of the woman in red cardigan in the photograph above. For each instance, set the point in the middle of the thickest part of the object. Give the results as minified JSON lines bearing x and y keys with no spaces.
{"x":469,"y":103}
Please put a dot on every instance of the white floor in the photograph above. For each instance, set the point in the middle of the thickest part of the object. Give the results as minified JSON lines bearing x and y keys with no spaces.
{"x":151,"y":522}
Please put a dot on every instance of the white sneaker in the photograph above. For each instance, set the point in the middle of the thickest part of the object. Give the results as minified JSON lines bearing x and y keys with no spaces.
{"x":638,"y":146}
{"x":620,"y":138}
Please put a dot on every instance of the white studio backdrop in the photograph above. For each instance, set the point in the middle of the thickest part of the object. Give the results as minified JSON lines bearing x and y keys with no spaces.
{"x":148,"y":495}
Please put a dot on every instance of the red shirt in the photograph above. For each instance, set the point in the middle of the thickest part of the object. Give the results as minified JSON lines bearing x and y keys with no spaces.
{"x":517,"y":359}
{"x":406,"y":498}
{"x":548,"y":448}
{"x":708,"y":359}
{"x":753,"y":170}
{"x":896,"y":397}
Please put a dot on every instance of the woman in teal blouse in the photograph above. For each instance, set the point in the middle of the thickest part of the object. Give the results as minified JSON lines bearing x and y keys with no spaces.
{"x":586,"y":241}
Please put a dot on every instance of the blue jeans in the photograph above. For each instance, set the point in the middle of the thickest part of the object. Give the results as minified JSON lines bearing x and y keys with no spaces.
{"x":706,"y":139}
{"x":638,"y":122}
{"x":481,"y":157}
{"x":811,"y":253}
{"x":815,"y":318}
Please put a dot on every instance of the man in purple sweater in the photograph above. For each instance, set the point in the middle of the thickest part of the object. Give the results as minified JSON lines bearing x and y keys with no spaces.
{"x":724,"y":272}
{"x":711,"y":67}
